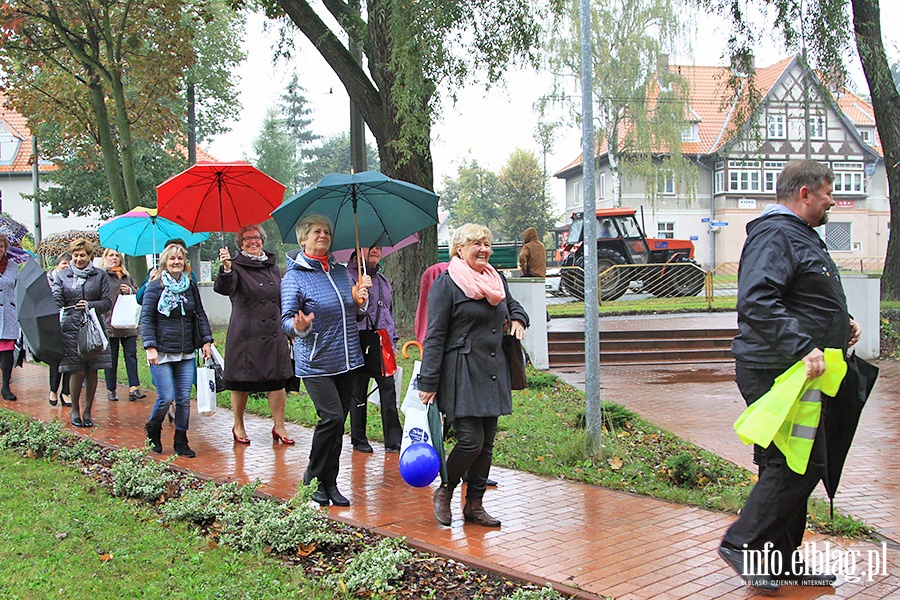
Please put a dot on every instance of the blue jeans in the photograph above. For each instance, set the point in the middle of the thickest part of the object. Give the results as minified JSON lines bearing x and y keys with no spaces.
{"x":173,"y":384}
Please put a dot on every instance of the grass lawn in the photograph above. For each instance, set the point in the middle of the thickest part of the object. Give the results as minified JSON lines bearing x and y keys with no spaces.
{"x":62,"y":536}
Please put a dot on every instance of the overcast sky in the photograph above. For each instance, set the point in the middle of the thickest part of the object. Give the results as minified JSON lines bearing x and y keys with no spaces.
{"x":486,"y":126}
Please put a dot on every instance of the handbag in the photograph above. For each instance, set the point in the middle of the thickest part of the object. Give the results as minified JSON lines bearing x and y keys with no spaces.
{"x":292,"y":384}
{"x":515,"y":360}
{"x":91,"y":338}
{"x":377,"y":348}
{"x":196,"y":336}
{"x":217,"y":363}
{"x":206,"y":388}
{"x":126,"y":313}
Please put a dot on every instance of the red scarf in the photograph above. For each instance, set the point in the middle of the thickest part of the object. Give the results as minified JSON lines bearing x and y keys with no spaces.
{"x":3,"y":262}
{"x":321,"y":259}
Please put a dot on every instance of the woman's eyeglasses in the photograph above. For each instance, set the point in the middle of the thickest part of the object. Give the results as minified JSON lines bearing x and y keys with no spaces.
{"x":251,"y":238}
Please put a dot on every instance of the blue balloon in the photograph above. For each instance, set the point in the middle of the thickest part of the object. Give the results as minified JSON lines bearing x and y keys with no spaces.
{"x":419,"y":464}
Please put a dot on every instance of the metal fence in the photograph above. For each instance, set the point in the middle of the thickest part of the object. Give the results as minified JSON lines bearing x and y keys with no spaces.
{"x":678,"y":283}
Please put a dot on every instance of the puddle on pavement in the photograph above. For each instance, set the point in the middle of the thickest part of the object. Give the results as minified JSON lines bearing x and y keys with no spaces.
{"x":693,"y":376}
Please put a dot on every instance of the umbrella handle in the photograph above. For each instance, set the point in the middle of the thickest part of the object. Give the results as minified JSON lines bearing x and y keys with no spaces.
{"x":415,"y":344}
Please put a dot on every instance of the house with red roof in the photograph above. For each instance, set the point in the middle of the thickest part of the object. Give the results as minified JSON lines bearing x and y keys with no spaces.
{"x":17,"y":176}
{"x":737,"y":165}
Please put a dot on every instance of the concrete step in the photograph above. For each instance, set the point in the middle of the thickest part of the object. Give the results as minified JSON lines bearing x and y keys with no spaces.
{"x":644,"y":347}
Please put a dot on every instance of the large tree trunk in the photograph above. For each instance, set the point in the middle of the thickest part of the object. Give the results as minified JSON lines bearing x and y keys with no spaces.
{"x":886,"y":102}
{"x":108,"y":149}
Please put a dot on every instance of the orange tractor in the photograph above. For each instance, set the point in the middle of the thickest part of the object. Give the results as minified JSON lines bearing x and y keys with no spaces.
{"x":661,"y":267}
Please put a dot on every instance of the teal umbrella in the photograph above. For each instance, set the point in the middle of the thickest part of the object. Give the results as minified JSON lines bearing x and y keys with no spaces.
{"x":141,"y":231}
{"x":367,"y":209}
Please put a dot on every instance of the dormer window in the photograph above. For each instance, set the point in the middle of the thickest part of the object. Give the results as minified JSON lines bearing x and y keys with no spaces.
{"x":9,"y":146}
{"x":866,"y":135}
{"x":691,"y":133}
{"x":775,"y":125}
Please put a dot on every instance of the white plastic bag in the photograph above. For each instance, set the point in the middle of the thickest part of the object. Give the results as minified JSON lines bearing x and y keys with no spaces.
{"x":375,"y":397}
{"x":206,"y":391}
{"x":415,"y":422}
{"x":126,"y":313}
{"x":92,"y":315}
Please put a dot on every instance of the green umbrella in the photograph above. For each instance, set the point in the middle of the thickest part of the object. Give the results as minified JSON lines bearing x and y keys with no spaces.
{"x":367,"y":209}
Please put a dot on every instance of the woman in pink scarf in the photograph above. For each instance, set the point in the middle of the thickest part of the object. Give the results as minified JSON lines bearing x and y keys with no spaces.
{"x":464,"y":368}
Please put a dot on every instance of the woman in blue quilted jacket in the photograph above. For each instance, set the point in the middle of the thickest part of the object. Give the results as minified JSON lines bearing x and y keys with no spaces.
{"x":319,"y":312}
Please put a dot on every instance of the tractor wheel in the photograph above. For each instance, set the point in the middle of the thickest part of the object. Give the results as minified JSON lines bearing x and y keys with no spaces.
{"x":684,"y":282}
{"x":613,"y":282}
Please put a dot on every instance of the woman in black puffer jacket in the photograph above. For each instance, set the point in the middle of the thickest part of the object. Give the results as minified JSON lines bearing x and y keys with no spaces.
{"x":77,"y":289}
{"x":170,"y":312}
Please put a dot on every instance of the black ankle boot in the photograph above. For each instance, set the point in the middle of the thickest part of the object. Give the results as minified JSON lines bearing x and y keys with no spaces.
{"x":335,"y":495}
{"x":474,"y":512}
{"x":181,"y":445}
{"x":7,"y":393}
{"x":154,"y":435}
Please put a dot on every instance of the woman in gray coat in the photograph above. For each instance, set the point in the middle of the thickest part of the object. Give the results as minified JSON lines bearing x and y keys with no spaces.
{"x":9,"y":324}
{"x":78,"y":289}
{"x":464,"y":368}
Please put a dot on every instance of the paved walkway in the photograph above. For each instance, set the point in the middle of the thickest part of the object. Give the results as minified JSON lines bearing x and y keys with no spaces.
{"x":588,"y":540}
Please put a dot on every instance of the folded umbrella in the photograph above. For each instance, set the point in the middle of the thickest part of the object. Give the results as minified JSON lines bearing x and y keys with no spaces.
{"x":38,"y":314}
{"x":842,"y":415}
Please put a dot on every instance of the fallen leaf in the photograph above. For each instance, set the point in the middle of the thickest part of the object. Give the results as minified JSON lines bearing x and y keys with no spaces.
{"x":106,"y":557}
{"x":62,"y":536}
{"x":615,"y":462}
{"x":305,"y":549}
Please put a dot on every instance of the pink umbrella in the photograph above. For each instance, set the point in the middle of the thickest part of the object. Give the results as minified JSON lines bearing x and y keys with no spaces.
{"x":344,"y":255}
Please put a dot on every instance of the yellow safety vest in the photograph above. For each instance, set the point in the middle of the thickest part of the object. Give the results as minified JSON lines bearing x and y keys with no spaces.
{"x":789,"y":413}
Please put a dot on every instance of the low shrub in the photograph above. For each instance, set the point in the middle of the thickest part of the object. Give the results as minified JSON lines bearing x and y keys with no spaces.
{"x":135,"y":476}
{"x":373,"y":569}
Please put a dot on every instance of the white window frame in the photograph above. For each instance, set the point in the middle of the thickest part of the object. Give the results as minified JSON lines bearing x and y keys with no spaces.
{"x":667,"y":184}
{"x":665,"y":230}
{"x":865,"y":135}
{"x":849,"y":182}
{"x":719,"y":181}
{"x":816,"y":127}
{"x":576,"y":192}
{"x":601,"y":185}
{"x":776,"y":126}
{"x":9,"y":146}
{"x":743,"y":180}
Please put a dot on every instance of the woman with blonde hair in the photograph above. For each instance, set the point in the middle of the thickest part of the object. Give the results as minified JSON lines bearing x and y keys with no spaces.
{"x":78,"y":289}
{"x":319,"y":312}
{"x":121,"y":283}
{"x":464,"y":368}
{"x":170,"y":314}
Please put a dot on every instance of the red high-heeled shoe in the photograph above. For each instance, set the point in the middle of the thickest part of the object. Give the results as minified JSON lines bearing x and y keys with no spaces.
{"x":283,"y":439}
{"x":239,"y":440}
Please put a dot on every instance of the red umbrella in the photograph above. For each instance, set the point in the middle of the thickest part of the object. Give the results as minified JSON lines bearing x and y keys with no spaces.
{"x":213,"y":196}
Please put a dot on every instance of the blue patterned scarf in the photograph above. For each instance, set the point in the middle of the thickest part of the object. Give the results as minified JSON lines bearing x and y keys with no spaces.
{"x":173,"y":293}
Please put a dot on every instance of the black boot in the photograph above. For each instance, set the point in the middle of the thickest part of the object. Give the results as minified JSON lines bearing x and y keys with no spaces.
{"x":6,"y":365}
{"x":335,"y":495}
{"x":474,"y":512}
{"x":442,"y":497}
{"x":181,"y":445}
{"x":154,"y":435}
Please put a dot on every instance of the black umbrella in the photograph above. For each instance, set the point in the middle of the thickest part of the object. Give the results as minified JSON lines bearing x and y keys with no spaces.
{"x":842,"y":416}
{"x":39,"y":314}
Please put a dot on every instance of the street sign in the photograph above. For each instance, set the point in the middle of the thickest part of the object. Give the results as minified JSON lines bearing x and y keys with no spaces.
{"x":704,"y":220}
{"x":718,"y":224}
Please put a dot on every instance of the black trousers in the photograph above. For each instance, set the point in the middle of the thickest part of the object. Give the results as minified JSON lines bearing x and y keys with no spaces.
{"x":390,"y":419}
{"x":332,"y":396}
{"x":775,"y":512}
{"x":129,"y":351}
{"x":56,"y":378}
{"x":473,"y":453}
